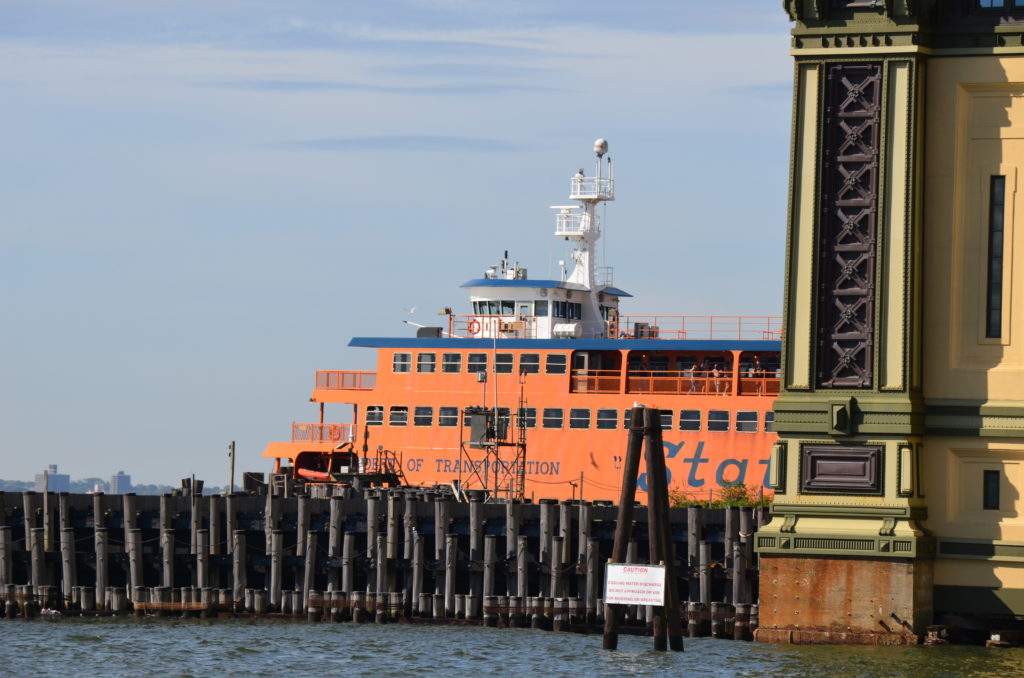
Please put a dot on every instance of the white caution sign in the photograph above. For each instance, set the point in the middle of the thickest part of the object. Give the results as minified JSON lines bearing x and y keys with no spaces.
{"x":631,"y":584}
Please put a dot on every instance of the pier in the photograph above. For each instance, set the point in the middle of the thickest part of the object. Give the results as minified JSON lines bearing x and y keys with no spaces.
{"x":381,"y":555}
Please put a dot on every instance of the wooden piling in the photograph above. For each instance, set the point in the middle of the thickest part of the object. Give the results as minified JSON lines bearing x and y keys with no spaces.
{"x":239,"y":561}
{"x":6,"y":556}
{"x":450,"y":563}
{"x":309,"y":565}
{"x":301,"y":524}
{"x":101,"y":542}
{"x":202,"y":575}
{"x":522,"y":567}
{"x":134,"y":543}
{"x":167,"y":556}
{"x":67,"y":560}
{"x":624,"y":521}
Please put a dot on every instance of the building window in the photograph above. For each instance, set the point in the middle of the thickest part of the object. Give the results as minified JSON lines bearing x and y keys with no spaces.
{"x":689,"y":420}
{"x":503,"y":363}
{"x":448,"y":416}
{"x":374,"y":415}
{"x":477,"y":362}
{"x":994,"y":290}
{"x":555,"y":363}
{"x":746,"y":422}
{"x":529,"y":363}
{"x":426,"y":362}
{"x":606,"y":419}
{"x":402,"y":362}
{"x":579,"y":417}
{"x":990,"y":490}
{"x":423,"y":416}
{"x":527,"y":417}
{"x":769,"y":422}
{"x":553,"y":417}
{"x":451,"y":362}
{"x":399,"y":416}
{"x":718,"y":420}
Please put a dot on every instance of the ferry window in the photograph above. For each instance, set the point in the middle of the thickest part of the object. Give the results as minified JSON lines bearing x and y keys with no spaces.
{"x":769,"y":421}
{"x":540,"y":308}
{"x":492,"y":308}
{"x":503,"y":363}
{"x":994,"y":296}
{"x":374,"y":415}
{"x":625,"y":417}
{"x":477,"y":362}
{"x":579,"y":417}
{"x":666,"y":419}
{"x":573,"y":311}
{"x":508,"y":307}
{"x":746,"y":422}
{"x":426,"y":362}
{"x":718,"y":420}
{"x":402,"y":362}
{"x":476,"y":308}
{"x":606,"y":419}
{"x":990,"y":490}
{"x":555,"y":364}
{"x":423,"y":416}
{"x":451,"y":362}
{"x":529,"y":363}
{"x":658,"y":363}
{"x":553,"y":417}
{"x":448,"y":416}
{"x":398,"y":416}
{"x":504,"y":415}
{"x":689,"y":420}
{"x":527,"y":417}
{"x":524,"y":309}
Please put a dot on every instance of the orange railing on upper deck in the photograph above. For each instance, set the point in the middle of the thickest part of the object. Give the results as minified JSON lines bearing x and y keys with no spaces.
{"x":349,"y":380}
{"x":675,"y":382}
{"x":748,"y":327}
{"x":322,"y":433}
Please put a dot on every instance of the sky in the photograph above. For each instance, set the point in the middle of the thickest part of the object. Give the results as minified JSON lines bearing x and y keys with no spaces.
{"x":202,"y":201}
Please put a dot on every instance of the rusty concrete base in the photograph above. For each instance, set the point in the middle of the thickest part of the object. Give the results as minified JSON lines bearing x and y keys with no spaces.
{"x":844,"y":600}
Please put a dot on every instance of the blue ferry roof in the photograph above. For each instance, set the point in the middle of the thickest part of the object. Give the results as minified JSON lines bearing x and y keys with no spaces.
{"x":550,"y":284}
{"x":571,"y":344}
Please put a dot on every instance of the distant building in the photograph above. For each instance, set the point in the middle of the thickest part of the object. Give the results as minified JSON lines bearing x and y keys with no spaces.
{"x":121,"y":483}
{"x":53,"y":481}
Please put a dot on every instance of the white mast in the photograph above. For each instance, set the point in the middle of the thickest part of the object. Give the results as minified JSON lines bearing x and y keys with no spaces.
{"x":581,"y":224}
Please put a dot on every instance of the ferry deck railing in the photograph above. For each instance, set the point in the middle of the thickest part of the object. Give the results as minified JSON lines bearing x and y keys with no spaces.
{"x":675,"y":382}
{"x":726,"y":327}
{"x":348,"y":380}
{"x":322,"y":433}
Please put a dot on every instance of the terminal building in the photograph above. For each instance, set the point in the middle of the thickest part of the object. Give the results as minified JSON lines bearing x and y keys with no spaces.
{"x":53,"y":481}
{"x":900,"y":463}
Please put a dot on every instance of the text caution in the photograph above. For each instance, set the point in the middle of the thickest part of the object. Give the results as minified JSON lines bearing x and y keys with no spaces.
{"x":629,"y":584}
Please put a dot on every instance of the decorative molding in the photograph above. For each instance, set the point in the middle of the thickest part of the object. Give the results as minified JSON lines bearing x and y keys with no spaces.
{"x":835,"y":469}
{"x":847,"y":241}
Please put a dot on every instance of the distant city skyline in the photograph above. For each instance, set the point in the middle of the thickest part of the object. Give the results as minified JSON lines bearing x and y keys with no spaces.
{"x":204,"y":201}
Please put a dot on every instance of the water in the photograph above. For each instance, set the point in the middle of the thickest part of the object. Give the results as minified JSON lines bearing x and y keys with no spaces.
{"x":185,"y":648}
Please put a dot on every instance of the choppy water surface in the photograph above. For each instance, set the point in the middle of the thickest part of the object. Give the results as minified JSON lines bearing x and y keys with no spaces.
{"x":183,"y":648}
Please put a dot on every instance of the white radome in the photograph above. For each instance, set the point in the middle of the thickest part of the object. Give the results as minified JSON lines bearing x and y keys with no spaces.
{"x":601,"y":147}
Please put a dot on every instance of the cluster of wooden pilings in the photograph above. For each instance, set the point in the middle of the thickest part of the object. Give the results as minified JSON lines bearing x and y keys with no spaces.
{"x":379,"y":554}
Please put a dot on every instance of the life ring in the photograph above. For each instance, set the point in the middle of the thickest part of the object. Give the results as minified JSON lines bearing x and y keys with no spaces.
{"x":335,"y":433}
{"x":473,"y":327}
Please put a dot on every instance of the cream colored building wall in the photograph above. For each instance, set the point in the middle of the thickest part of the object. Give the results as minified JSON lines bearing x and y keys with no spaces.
{"x":978,"y":102}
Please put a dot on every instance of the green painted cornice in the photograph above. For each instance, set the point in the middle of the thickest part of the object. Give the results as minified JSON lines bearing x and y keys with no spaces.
{"x":870,"y":413}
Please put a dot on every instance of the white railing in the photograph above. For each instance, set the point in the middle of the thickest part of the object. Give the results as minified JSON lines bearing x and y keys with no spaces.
{"x":573,"y":223}
{"x":592,"y":187}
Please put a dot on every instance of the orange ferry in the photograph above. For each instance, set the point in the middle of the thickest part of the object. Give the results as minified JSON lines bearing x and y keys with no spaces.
{"x":529,"y":394}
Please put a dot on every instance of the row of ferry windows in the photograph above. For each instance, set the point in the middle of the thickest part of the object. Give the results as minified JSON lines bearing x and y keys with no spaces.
{"x":569,"y":310}
{"x":529,"y":363}
{"x":579,"y":418}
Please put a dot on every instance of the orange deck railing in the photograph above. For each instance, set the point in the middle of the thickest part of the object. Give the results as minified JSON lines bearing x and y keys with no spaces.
{"x":322,"y":433}
{"x":748,"y":327}
{"x":345,"y":380}
{"x":757,"y":327}
{"x":673,"y":383}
